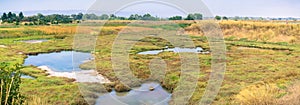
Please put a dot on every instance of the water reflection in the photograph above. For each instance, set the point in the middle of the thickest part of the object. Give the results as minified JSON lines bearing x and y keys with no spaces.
{"x":138,"y":96}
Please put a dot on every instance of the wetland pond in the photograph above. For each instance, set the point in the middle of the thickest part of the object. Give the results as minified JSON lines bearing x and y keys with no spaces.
{"x":142,"y":95}
{"x":137,"y":96}
{"x":66,"y":64}
{"x":59,"y":61}
{"x":63,"y":64}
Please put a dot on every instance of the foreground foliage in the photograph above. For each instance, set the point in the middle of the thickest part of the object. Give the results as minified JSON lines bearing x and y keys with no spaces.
{"x":10,"y":80}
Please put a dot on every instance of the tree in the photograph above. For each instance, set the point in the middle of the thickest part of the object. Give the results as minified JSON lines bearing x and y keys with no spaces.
{"x":121,"y":18}
{"x":21,"y":16}
{"x":41,"y":19}
{"x":218,"y":17}
{"x":195,"y":16}
{"x":79,"y":16}
{"x":246,"y":18}
{"x":131,"y":17}
{"x":9,"y":17}
{"x":190,"y":17}
{"x":40,"y":16}
{"x":112,"y":17}
{"x":147,"y":17}
{"x":260,"y":18}
{"x":176,"y":18}
{"x":74,"y":16}
{"x":135,"y":17}
{"x":236,"y":18}
{"x":198,"y":16}
{"x":14,"y":17}
{"x":225,"y":18}
{"x":4,"y":17}
{"x":104,"y":17}
{"x":17,"y":23}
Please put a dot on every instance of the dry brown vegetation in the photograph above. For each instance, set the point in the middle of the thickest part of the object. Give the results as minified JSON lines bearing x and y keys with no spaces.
{"x":256,"y":31}
{"x":269,"y":94}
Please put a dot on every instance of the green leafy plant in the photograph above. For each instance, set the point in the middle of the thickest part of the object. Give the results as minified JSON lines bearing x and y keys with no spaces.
{"x":10,"y":80}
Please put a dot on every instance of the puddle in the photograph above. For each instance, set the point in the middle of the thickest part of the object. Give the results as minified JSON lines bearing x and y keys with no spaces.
{"x":27,"y":76}
{"x":175,"y":50}
{"x":35,"y":41}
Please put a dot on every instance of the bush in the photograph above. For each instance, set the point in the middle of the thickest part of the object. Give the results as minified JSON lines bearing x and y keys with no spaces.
{"x":17,"y":23}
{"x":10,"y":80}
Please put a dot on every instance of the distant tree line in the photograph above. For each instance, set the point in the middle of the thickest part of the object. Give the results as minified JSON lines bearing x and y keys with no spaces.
{"x":41,"y":19}
{"x":12,"y":17}
{"x":237,"y":18}
{"x":195,"y":16}
{"x":114,"y":17}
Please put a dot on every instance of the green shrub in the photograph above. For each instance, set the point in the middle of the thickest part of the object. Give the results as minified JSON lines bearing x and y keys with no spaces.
{"x":10,"y":80}
{"x":184,"y":25}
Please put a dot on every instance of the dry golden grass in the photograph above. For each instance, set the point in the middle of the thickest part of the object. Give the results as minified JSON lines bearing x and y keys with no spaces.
{"x":261,"y":94}
{"x":19,"y":28}
{"x":269,"y":94}
{"x":35,"y":100}
{"x":56,"y":29}
{"x":256,"y":31}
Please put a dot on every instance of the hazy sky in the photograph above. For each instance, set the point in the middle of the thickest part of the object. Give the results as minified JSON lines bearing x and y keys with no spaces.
{"x":265,"y":8}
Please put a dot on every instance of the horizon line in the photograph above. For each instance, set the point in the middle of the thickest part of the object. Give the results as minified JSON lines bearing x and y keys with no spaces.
{"x":87,"y":12}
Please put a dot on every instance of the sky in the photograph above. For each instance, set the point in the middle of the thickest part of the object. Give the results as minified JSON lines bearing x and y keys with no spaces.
{"x":253,"y":8}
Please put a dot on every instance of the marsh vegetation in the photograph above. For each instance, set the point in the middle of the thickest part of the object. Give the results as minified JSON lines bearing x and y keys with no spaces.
{"x":262,"y":60}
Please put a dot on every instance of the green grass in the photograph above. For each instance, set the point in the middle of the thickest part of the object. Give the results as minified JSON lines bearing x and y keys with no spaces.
{"x":52,"y":89}
{"x":248,"y":62}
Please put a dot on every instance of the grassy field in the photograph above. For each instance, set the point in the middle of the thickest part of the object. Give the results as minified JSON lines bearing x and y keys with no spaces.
{"x":262,"y":60}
